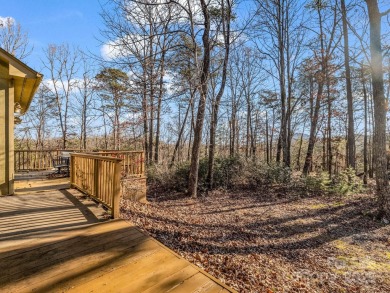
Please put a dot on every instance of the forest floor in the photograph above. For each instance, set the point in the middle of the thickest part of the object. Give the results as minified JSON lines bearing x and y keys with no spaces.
{"x":273,"y":240}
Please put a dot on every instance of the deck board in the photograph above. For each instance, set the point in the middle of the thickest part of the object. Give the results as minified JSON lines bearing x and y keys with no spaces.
{"x":48,"y":243}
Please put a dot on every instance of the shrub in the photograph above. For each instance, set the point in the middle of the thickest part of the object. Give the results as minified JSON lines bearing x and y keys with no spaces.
{"x":277,"y":174}
{"x":227,"y":174}
{"x":260,"y":175}
{"x":343,"y":183}
{"x":160,"y":175}
{"x":227,"y":171}
{"x":346,"y":182}
{"x":176,"y":178}
{"x":317,"y":184}
{"x":236,"y":172}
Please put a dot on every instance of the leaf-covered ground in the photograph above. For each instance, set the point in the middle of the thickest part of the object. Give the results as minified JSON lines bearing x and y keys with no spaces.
{"x":267,"y":241}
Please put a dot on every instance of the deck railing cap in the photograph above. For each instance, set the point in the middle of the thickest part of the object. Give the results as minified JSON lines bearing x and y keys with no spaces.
{"x":84,"y":155}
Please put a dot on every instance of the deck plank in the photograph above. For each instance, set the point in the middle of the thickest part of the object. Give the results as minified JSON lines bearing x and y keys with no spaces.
{"x":173,"y":281}
{"x":197,"y":283}
{"x":70,"y":273}
{"x":136,"y":276}
{"x":57,"y":252}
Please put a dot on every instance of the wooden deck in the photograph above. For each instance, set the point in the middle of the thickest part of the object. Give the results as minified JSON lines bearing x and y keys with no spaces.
{"x":51,"y":242}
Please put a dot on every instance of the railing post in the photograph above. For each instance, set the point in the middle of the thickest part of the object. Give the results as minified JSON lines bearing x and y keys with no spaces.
{"x":143,"y":163}
{"x":117,"y":189}
{"x":15,"y":159}
{"x":95,"y":177}
{"x":72,"y":170}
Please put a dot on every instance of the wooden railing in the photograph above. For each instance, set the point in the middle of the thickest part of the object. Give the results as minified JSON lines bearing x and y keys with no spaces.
{"x":99,"y":177}
{"x":99,"y":174}
{"x":30,"y":160}
{"x":133,"y":162}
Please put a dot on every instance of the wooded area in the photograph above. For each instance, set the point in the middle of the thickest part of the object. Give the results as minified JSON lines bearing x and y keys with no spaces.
{"x":300,"y":85}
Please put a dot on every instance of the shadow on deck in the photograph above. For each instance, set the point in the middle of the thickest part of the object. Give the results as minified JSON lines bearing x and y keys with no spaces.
{"x":51,"y":241}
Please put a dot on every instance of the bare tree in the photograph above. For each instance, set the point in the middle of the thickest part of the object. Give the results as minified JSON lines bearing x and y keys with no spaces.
{"x":235,"y":100}
{"x":39,"y":117}
{"x":139,"y":34}
{"x":328,"y":43}
{"x":281,"y":40}
{"x":351,"y":127}
{"x":365,"y":142}
{"x":225,"y":19}
{"x":185,"y":83}
{"x":193,"y":177}
{"x":13,"y":39}
{"x":84,"y":98}
{"x":61,"y":63}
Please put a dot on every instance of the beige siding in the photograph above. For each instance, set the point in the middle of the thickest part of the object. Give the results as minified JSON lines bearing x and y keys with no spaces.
{"x":11,"y":142}
{"x":3,"y":184}
{"x":15,"y":78}
{"x":6,"y":137}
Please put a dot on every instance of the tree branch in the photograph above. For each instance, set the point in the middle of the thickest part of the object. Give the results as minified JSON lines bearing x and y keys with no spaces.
{"x":385,"y":13}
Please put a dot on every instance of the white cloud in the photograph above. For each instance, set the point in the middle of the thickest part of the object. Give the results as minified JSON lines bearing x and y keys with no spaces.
{"x":131,"y":44}
{"x":52,"y":86}
{"x":6,"y":20}
{"x":109,"y":51}
{"x":169,"y":82}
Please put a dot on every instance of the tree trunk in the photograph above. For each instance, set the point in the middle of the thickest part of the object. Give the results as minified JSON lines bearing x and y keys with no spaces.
{"x":281,"y":30}
{"x":266,"y":139}
{"x":329,"y":129}
{"x":365,"y":144}
{"x":300,"y":148}
{"x":313,"y":131}
{"x":192,"y":126}
{"x":320,"y":76}
{"x":380,"y":108}
{"x":84,"y":124}
{"x":271,"y":142}
{"x":372,"y":123}
{"x":151,"y":125}
{"x":279,"y":150}
{"x":159,"y":102}
{"x":145,"y":117}
{"x":248,"y":123}
{"x":215,"y":110}
{"x":324,"y":150}
{"x":193,"y":177}
{"x":180,"y":133}
{"x":351,"y":127}
{"x":150,"y":64}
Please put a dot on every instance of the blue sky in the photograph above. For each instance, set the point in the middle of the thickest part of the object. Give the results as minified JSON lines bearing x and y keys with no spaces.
{"x":75,"y":22}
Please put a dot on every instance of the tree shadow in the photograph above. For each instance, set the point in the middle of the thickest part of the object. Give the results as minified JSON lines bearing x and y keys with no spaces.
{"x":284,"y":234}
{"x":46,"y":266}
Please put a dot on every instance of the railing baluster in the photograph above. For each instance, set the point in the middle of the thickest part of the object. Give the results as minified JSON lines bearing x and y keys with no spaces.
{"x":96,"y":178}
